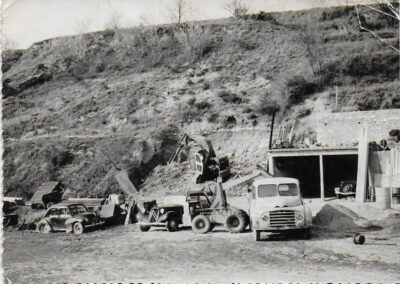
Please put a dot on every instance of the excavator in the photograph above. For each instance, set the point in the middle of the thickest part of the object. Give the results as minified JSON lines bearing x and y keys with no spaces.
{"x":202,"y":158}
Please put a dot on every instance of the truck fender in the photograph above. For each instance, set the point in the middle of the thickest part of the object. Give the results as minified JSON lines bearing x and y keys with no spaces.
{"x":308,"y":216}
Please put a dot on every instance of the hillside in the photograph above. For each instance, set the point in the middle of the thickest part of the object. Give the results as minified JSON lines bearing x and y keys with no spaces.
{"x":72,"y":105}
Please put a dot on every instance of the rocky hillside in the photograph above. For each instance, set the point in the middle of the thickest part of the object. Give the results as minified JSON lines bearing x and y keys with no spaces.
{"x":73,"y":106}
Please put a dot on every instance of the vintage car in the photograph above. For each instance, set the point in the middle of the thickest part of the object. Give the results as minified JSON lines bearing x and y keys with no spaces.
{"x":276,"y":206}
{"x":66,"y":217}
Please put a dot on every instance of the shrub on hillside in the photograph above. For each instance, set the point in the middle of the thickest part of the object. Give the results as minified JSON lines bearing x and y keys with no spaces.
{"x":196,"y":40}
{"x":229,"y":97}
{"x":376,"y":66}
{"x":203,"y":105}
{"x":299,"y":89}
{"x":262,"y":16}
{"x":335,"y":13}
{"x":268,"y":106}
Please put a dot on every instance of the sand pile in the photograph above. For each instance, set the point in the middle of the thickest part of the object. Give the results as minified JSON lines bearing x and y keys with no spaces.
{"x":335,"y":217}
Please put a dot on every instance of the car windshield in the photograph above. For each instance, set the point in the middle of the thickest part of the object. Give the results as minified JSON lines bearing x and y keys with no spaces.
{"x":77,"y":209}
{"x":270,"y":190}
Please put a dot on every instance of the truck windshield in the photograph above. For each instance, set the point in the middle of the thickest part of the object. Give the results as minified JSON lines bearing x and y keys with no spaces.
{"x":289,"y":189}
{"x":270,"y":190}
{"x":267,"y":190}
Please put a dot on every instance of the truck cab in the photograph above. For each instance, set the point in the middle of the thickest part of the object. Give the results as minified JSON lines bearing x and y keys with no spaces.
{"x":276,"y":206}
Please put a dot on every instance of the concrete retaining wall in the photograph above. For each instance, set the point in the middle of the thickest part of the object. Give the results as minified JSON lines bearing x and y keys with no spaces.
{"x":343,"y":128}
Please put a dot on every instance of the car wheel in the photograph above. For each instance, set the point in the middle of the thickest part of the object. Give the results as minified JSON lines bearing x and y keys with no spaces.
{"x":172,"y":225}
{"x":45,"y":228}
{"x":78,"y":228}
{"x":144,"y":228}
{"x":201,"y":224}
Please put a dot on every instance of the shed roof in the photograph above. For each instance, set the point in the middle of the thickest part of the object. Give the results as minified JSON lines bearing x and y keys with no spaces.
{"x":290,"y":152}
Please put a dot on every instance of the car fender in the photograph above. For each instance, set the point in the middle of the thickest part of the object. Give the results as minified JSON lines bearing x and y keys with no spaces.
{"x":43,"y":222}
{"x":73,"y":220}
{"x":70,"y":222}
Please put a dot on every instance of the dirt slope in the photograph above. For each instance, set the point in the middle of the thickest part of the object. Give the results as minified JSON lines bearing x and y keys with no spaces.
{"x":70,"y":105}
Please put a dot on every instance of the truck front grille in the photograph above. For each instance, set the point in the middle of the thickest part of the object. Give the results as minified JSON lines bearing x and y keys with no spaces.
{"x":282,"y":218}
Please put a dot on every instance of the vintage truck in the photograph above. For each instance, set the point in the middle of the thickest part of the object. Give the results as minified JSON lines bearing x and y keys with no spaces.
{"x":276,"y":206}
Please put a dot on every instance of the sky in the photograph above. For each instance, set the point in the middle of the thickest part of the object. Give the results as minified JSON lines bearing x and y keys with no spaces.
{"x":24,"y":22}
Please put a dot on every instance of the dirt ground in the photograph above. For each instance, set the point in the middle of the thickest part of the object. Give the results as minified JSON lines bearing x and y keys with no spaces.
{"x":125,"y":254}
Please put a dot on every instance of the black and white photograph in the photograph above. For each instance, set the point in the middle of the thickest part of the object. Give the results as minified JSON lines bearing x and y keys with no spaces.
{"x":212,"y":141}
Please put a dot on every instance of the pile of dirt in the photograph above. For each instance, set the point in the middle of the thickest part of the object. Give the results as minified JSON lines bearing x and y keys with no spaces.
{"x":166,"y":179}
{"x":334,"y":217}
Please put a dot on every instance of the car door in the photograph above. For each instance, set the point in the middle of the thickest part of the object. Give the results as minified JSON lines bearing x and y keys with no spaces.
{"x":63,"y":217}
{"x":53,"y":218}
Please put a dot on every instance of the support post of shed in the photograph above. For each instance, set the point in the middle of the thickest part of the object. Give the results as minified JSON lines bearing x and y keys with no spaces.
{"x":321,"y":176}
{"x":271,"y":165}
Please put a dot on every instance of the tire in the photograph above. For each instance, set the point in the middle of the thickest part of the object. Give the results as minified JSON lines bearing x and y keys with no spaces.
{"x":144,"y":228}
{"x":201,"y":224}
{"x":45,"y":229}
{"x":172,"y":225}
{"x":306,"y":233}
{"x":257,"y":235}
{"x":78,"y":228}
{"x":236,"y":223}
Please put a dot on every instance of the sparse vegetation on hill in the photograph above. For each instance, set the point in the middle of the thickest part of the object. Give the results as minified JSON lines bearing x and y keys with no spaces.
{"x":65,"y":98}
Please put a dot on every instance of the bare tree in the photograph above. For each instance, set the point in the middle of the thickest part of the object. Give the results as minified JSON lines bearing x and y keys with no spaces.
{"x":388,"y":8}
{"x":179,"y":10}
{"x":114,"y":22}
{"x":8,"y":44}
{"x":312,"y":41}
{"x":82,"y":26}
{"x":236,"y":8}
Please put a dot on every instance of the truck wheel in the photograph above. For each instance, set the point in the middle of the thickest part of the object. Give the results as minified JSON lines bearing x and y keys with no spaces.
{"x":306,"y":234}
{"x":144,"y":228}
{"x":201,"y":224}
{"x":257,"y":235}
{"x":78,"y":228}
{"x":172,"y":225}
{"x":45,"y":229}
{"x":236,"y":223}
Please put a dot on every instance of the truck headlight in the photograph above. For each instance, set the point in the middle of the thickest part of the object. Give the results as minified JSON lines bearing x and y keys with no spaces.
{"x":162,"y":210}
{"x":299,"y":216}
{"x":265,"y":216}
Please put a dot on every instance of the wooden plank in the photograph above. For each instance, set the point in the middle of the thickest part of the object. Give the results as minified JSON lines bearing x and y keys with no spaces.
{"x":362,"y":165}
